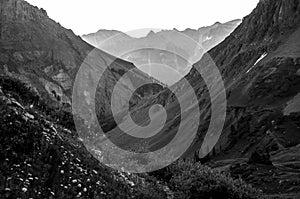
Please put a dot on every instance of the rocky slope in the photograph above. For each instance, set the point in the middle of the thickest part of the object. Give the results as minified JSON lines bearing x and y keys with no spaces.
{"x":166,"y":47}
{"x":38,"y":51}
{"x":42,"y":156}
{"x":259,"y":63}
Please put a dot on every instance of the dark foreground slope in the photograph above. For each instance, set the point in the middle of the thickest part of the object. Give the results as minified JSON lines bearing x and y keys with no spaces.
{"x":42,"y":157}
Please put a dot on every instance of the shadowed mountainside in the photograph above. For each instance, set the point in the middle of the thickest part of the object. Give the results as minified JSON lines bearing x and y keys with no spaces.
{"x":41,"y":53}
{"x":259,"y":63}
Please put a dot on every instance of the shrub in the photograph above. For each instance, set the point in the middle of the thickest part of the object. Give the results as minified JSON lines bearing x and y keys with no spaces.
{"x":193,"y":180}
{"x":27,"y":96}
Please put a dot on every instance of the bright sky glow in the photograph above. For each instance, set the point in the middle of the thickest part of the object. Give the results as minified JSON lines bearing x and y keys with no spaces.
{"x":87,"y":16}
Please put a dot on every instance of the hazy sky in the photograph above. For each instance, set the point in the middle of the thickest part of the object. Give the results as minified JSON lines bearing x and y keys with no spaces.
{"x":86,"y":16}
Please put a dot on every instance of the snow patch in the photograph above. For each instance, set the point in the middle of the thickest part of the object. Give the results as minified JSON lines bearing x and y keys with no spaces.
{"x":207,"y":38}
{"x":95,"y":172}
{"x":257,"y":61}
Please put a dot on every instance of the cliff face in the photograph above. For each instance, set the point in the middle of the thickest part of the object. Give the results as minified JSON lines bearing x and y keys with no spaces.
{"x":22,"y":11}
{"x":37,"y":50}
{"x":40,"y":52}
{"x":30,"y":34}
{"x":267,"y":34}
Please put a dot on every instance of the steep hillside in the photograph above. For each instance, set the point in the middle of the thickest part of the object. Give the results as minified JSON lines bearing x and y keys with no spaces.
{"x":42,"y":156}
{"x":259,"y":63}
{"x":47,"y":57}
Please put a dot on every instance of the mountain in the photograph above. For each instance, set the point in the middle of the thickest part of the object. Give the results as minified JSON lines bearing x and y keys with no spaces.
{"x":259,"y":63}
{"x":215,"y":34}
{"x":163,"y":49}
{"x":47,"y":57}
{"x":103,"y":35}
{"x":43,"y":154}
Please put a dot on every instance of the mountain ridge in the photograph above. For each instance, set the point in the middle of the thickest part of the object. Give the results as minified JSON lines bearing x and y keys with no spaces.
{"x":167,"y":54}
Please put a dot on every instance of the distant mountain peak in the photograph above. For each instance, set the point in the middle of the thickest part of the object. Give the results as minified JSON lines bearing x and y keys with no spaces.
{"x":151,"y":33}
{"x":171,"y":39}
{"x":105,"y":30}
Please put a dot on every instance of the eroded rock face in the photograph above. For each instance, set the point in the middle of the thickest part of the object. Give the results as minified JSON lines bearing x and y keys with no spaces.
{"x":30,"y":41}
{"x":63,"y":79}
{"x":47,"y":55}
{"x":55,"y":91}
{"x":18,"y":9}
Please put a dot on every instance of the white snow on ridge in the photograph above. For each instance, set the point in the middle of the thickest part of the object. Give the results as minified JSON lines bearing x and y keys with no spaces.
{"x":257,"y":61}
{"x":261,"y":57}
{"x":207,"y":38}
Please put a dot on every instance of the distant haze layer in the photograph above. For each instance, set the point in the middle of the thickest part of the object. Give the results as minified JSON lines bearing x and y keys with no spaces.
{"x":166,"y":55}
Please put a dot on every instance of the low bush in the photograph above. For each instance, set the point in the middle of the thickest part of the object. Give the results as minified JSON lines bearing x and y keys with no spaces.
{"x":192,"y":180}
